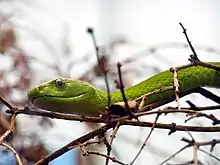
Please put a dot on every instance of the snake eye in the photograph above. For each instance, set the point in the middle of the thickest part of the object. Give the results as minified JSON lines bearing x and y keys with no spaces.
{"x":59,"y":82}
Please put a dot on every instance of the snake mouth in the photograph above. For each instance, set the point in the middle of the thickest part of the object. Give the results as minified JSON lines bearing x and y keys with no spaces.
{"x":33,"y":99}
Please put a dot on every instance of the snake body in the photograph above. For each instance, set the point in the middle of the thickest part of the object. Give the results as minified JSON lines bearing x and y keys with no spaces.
{"x":74,"y":96}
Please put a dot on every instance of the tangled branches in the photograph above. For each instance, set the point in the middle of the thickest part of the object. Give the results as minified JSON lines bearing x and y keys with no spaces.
{"x":192,"y":112}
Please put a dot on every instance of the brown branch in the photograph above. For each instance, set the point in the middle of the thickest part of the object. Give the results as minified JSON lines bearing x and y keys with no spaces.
{"x":202,"y":143}
{"x":195,"y":61}
{"x":210,"y":116}
{"x":194,"y":58}
{"x":176,"y":153}
{"x":124,"y":121}
{"x":159,"y":103}
{"x":147,"y":138}
{"x":113,"y":135}
{"x":104,"y":70}
{"x":195,"y":153}
{"x":6,"y":103}
{"x":191,"y":162}
{"x":72,"y":145}
{"x":56,"y":115}
{"x":121,"y":86}
{"x":176,"y":86}
{"x":207,"y":94}
{"x":171,"y":126}
{"x":93,"y":142}
{"x":187,"y":38}
{"x":196,"y":145}
{"x":113,"y":159}
{"x":172,"y":110}
{"x":208,"y":153}
{"x":199,"y":90}
{"x":155,"y":92}
{"x":10,"y":130}
{"x":197,"y":108}
{"x":14,"y":152}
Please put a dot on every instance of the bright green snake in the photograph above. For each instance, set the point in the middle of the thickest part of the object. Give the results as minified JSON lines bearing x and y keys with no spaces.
{"x":74,"y":96}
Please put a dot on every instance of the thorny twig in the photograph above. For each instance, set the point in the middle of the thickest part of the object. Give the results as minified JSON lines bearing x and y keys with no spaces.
{"x":194,"y":58}
{"x":187,"y":38}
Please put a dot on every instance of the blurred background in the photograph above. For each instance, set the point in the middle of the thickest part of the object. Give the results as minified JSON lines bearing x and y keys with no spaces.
{"x":41,"y":40}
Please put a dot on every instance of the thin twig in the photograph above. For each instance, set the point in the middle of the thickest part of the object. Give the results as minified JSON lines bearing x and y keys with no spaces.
{"x":192,"y":142}
{"x":182,"y":67}
{"x":113,"y":135}
{"x":10,"y":130}
{"x":199,"y":90}
{"x":45,"y":160}
{"x":155,"y":92}
{"x":195,"y":153}
{"x":56,"y":115}
{"x":14,"y":152}
{"x":176,"y":86}
{"x":210,"y":154}
{"x":6,"y":103}
{"x":104,"y":70}
{"x":172,"y":126}
{"x":145,"y":141}
{"x":123,"y":92}
{"x":210,"y":116}
{"x":190,"y":162}
{"x":111,"y":141}
{"x":194,"y":58}
{"x":187,"y":38}
{"x":87,"y":153}
{"x":93,"y":142}
{"x":113,"y":159}
{"x":176,"y":153}
{"x":197,"y":108}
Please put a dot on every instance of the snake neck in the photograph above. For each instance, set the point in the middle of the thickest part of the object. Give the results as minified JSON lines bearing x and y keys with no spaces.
{"x":103,"y":96}
{"x":116,"y":96}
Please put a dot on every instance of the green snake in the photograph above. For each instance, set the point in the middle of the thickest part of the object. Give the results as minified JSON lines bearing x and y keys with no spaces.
{"x":74,"y":96}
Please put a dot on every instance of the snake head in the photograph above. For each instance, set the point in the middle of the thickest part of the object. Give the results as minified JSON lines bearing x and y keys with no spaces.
{"x":61,"y":94}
